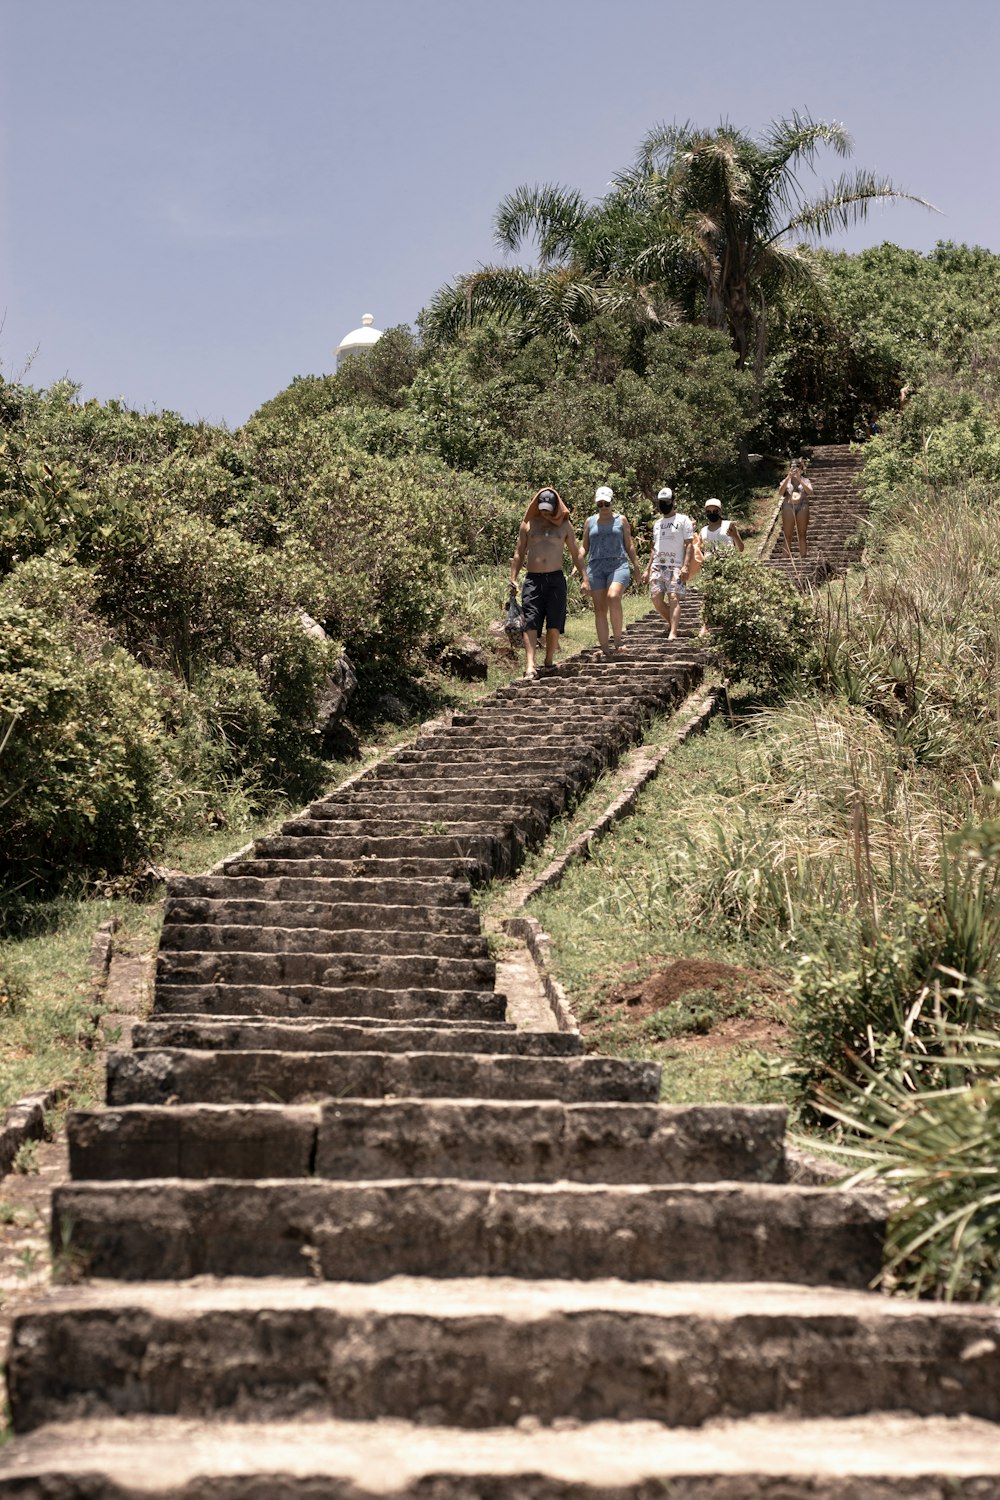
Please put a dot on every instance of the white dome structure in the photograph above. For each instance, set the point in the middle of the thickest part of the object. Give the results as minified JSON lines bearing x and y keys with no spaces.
{"x":358,"y":339}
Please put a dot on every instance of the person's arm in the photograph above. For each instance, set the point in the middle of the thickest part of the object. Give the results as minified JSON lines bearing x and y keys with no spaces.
{"x":577,"y":554}
{"x":734,"y":532}
{"x":517,"y":561}
{"x":647,"y":570}
{"x":806,"y":485}
{"x":583,"y":552}
{"x":627,"y":538}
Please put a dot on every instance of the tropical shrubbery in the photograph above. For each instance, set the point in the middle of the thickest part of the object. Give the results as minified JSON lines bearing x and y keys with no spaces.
{"x":762,"y":627}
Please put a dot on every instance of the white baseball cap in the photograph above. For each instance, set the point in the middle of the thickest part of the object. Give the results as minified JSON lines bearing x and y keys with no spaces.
{"x":665,"y":494}
{"x":713,"y":504}
{"x":604,"y":492}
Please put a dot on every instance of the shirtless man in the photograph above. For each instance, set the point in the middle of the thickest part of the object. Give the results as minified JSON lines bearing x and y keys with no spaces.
{"x":545,"y":531}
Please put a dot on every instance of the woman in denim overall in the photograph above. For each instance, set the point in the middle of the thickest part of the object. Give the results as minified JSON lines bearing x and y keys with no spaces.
{"x":608,"y":548}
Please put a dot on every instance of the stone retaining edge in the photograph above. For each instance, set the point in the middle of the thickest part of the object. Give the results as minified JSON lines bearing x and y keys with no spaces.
{"x":25,"y":1121}
{"x":529,"y":929}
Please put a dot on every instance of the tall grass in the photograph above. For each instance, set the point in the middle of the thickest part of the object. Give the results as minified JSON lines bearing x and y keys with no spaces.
{"x":929,"y":1130}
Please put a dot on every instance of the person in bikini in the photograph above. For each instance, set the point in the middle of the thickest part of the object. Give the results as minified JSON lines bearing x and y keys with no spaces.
{"x":795,"y":493}
{"x":545,"y":533}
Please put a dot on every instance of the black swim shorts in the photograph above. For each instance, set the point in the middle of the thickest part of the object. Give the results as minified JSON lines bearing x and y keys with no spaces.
{"x":543,"y":599}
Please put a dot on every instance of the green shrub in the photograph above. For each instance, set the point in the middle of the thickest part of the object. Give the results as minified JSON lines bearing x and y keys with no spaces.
{"x":85,"y":774}
{"x":763,"y":630}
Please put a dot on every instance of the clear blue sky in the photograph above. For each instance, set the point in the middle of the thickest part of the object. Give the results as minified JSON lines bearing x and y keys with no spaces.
{"x":201,"y":197}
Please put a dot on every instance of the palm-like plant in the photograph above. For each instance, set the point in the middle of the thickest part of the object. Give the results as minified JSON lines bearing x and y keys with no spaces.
{"x":704,"y":220}
{"x":586,"y":259}
{"x":731,"y":210}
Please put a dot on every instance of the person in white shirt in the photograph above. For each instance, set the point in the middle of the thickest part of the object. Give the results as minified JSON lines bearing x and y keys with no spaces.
{"x":669,"y":566}
{"x":719,"y":535}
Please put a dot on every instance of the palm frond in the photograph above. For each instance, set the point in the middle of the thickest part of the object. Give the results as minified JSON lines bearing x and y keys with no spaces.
{"x":847,"y":203}
{"x":550,"y":214}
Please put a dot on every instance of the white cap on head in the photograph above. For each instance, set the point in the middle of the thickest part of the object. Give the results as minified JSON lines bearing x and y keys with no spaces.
{"x":666,"y":493}
{"x":713,"y":504}
{"x":603,"y":492}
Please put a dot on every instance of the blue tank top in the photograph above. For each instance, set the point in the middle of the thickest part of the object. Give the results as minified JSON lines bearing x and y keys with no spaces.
{"x":607,"y":544}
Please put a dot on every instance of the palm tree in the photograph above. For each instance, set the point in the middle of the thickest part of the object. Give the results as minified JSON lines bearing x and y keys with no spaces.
{"x":704,"y":220}
{"x":734,"y":215}
{"x":585,"y":258}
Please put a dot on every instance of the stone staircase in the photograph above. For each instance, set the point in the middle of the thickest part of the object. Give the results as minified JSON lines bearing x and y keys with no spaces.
{"x":835,"y":519}
{"x":344,"y":1232}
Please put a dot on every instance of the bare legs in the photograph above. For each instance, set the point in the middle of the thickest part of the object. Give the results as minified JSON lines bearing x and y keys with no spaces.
{"x":669,"y":607}
{"x":531,"y":646}
{"x":609,"y":602}
{"x":795,"y":523}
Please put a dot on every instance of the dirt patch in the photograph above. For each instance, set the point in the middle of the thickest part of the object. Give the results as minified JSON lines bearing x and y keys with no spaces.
{"x":678,"y":978}
{"x":715,"y":1005}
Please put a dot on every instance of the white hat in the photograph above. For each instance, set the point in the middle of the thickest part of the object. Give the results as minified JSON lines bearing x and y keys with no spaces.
{"x":665,"y":494}
{"x":604,"y":492}
{"x":710,"y":503}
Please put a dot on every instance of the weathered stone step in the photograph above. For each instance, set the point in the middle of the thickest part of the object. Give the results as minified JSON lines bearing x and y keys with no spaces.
{"x":483,"y":845}
{"x":434,"y":803}
{"x":511,"y":757}
{"x":369,"y":867}
{"x":861,"y":1458}
{"x":329,"y":916}
{"x":414,"y":1003}
{"x":173,"y":1075}
{"x":224,"y":937}
{"x":243,"y":1141}
{"x":508,"y":826}
{"x":363,"y":1034}
{"x":411,"y":890}
{"x":353,"y":1139}
{"x":488,"y":1353}
{"x":388,"y":971}
{"x":166,"y":1230}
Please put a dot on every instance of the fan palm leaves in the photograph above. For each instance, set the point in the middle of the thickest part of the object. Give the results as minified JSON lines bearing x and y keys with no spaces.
{"x":730,"y":207}
{"x":704,"y":221}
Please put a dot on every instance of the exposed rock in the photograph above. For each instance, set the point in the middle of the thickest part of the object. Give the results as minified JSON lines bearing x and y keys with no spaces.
{"x":388,"y":706}
{"x":465,"y":658}
{"x":337,"y":692}
{"x":312,"y":628}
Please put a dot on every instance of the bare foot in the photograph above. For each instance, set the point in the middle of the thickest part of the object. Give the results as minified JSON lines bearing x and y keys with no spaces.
{"x":671,"y":636}
{"x":530,"y":672}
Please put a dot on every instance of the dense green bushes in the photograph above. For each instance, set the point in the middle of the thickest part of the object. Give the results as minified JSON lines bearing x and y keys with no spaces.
{"x":762,"y":626}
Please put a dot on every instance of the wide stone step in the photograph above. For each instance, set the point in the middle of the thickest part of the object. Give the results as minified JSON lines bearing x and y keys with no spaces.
{"x":399,"y":971}
{"x":257,"y":1033}
{"x":172,"y":1075}
{"x":861,"y":1458}
{"x":370,"y":867}
{"x":482,"y":846}
{"x":167,"y":1229}
{"x":212,"y":937}
{"x":414,"y":1003}
{"x":329,"y":916}
{"x":401,"y":822}
{"x":436,"y":803}
{"x":244,"y":1141}
{"x":485,"y":1354}
{"x":352,"y":1140}
{"x":437,"y":891}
